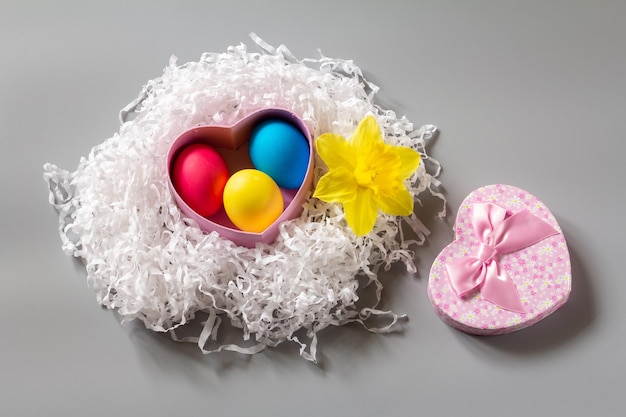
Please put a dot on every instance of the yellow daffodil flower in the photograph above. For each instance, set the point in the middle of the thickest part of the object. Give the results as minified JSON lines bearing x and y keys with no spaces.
{"x":365,"y":175}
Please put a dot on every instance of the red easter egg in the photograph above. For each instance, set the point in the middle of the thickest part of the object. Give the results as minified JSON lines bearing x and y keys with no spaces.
{"x":199,"y":174}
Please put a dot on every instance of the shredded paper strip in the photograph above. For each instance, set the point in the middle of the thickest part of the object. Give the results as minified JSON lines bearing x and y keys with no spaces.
{"x":147,"y":261}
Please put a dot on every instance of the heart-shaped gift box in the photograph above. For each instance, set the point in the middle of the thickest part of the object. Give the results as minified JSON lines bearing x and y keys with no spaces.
{"x":507,"y":268}
{"x":231,"y":142}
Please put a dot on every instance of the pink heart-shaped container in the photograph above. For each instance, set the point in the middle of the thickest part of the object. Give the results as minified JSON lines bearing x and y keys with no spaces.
{"x":231,"y":142}
{"x":541,"y":272}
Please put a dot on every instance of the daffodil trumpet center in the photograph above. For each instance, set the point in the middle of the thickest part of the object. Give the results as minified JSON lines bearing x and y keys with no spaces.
{"x":364,"y":175}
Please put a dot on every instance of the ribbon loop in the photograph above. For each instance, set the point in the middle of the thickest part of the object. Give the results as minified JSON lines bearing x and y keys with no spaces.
{"x":498,"y":232}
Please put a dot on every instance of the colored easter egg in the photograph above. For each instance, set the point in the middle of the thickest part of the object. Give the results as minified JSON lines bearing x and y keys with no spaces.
{"x":252,"y":200}
{"x":279,"y":149}
{"x":199,"y":175}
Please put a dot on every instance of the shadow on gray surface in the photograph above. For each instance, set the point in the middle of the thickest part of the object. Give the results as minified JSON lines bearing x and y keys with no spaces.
{"x":161,"y":354}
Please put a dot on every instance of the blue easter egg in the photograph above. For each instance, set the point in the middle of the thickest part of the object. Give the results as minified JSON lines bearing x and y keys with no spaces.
{"x":280,"y":150}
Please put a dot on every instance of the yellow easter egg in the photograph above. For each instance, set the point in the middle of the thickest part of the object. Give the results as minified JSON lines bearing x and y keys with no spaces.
{"x":252,"y":200}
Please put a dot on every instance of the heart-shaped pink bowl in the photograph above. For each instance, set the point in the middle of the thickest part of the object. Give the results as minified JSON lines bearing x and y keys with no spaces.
{"x":231,"y":142}
{"x":541,"y":272}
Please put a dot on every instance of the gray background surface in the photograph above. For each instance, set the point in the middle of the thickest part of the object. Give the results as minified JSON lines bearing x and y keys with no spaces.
{"x":531,"y":94}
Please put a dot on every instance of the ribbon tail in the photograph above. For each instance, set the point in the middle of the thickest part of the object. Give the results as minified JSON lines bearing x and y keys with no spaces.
{"x":499,"y":289}
{"x":465,"y":275}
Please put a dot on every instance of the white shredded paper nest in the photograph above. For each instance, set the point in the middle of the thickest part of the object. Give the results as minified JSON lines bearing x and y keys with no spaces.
{"x":147,"y":261}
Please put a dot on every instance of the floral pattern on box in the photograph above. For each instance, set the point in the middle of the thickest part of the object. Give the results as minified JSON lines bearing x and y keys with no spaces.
{"x":541,"y":272}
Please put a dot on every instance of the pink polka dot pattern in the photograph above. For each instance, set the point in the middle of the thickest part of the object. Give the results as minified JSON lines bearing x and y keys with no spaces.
{"x":541,"y":272}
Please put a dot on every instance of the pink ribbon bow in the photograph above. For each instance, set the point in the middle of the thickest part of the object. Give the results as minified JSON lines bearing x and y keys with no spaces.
{"x":497,"y":233}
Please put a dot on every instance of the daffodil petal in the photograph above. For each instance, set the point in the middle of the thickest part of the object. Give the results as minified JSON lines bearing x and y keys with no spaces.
{"x":409,"y":160}
{"x":337,"y":186}
{"x":361,"y":213}
{"x":367,"y":134}
{"x":335,"y":151}
{"x":400,"y":203}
